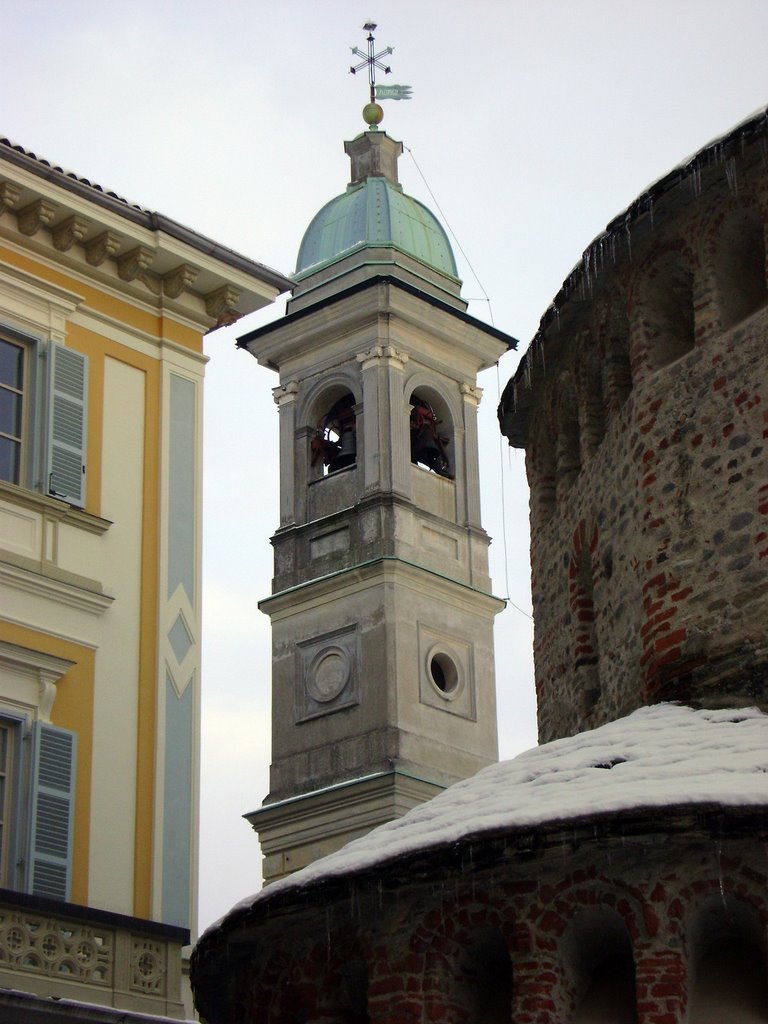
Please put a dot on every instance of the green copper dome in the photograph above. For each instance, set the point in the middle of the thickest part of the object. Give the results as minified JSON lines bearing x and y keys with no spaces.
{"x":374,"y":213}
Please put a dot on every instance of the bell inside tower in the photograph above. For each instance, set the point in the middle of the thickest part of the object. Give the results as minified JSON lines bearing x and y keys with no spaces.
{"x":430,"y":437}
{"x":334,"y":445}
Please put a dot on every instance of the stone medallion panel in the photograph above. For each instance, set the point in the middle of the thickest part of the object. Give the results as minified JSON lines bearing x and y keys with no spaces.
{"x":327,"y":676}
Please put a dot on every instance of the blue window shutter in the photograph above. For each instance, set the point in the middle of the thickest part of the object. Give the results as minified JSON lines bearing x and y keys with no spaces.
{"x":52,"y":811}
{"x":67,"y":420}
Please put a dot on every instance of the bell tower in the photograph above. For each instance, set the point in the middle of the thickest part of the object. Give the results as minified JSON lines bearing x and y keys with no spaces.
{"x":381,"y":611}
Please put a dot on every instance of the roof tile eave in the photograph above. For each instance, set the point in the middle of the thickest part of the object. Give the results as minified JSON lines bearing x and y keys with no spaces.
{"x":153,"y":221}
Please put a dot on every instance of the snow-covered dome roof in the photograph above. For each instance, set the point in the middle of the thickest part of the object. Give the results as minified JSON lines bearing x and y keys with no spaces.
{"x":657,"y":757}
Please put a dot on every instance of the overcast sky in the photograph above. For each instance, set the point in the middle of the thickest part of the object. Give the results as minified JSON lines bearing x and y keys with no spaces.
{"x":533,"y":123}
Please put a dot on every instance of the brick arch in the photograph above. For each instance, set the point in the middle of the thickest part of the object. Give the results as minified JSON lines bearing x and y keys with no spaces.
{"x":726,"y":967}
{"x":550,"y":968}
{"x":465,"y":946}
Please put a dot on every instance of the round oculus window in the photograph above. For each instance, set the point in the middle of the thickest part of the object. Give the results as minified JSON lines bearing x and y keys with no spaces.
{"x":443,"y":673}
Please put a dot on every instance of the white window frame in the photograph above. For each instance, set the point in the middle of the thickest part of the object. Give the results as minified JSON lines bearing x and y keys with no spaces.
{"x":35,"y":314}
{"x":28,"y":681}
{"x":54,"y":418}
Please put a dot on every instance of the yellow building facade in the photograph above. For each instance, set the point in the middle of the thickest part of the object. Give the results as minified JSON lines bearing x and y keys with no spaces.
{"x":102,"y":310}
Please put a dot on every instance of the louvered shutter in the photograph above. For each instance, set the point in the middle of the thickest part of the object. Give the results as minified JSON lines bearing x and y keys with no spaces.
{"x":65,"y":451}
{"x":52,"y":812}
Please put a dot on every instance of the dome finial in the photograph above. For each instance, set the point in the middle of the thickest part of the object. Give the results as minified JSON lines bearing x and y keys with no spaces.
{"x":372,"y":111}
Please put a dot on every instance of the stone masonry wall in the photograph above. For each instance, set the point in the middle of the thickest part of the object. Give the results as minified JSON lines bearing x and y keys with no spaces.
{"x":645,"y":424}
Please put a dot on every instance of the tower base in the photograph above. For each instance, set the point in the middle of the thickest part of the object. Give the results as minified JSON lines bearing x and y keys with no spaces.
{"x":297,"y":831}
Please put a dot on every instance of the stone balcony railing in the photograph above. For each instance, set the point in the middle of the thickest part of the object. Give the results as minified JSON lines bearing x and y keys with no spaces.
{"x":62,"y":951}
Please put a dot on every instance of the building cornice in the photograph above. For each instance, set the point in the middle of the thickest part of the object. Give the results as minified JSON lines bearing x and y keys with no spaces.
{"x":140,"y":251}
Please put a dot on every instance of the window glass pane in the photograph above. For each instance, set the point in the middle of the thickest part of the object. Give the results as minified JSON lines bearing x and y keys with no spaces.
{"x":11,"y":364}
{"x":6,"y":754}
{"x":10,"y":459}
{"x":10,"y":413}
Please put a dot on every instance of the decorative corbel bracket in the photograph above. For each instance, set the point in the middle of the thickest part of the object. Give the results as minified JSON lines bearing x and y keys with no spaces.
{"x":38,"y":214}
{"x":471,"y":393}
{"x":382,"y":353}
{"x":102,"y":247}
{"x":73,"y":229}
{"x":175,"y":281}
{"x":133,"y":264}
{"x":10,"y":194}
{"x":285,"y":393}
{"x":222,"y":301}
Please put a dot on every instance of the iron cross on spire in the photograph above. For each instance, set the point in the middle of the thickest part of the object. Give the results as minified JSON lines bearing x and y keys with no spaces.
{"x":371,"y":60}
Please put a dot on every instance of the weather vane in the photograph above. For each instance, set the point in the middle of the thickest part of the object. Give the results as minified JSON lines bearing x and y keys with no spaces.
{"x":372,"y":112}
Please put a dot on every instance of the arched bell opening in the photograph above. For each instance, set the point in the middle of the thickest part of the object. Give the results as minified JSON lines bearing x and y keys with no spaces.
{"x":334,"y":444}
{"x":431,"y":433}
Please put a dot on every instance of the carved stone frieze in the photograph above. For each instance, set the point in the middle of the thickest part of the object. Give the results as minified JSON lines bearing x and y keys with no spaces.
{"x":175,"y":281}
{"x":9,"y":195}
{"x":39,"y":944}
{"x":36,"y":215}
{"x":102,"y":247}
{"x":67,"y":232}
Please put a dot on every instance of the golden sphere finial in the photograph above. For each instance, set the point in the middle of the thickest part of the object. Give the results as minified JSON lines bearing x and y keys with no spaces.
{"x":373,"y":115}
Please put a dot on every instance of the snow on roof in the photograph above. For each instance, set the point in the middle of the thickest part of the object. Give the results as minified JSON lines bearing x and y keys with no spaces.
{"x":660,"y":756}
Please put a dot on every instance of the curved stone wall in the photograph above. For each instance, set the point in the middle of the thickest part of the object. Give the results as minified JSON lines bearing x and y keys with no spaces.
{"x":642,"y":404}
{"x":629,"y":919}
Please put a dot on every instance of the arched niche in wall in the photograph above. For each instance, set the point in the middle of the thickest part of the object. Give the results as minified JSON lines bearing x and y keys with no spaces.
{"x":568,"y":436}
{"x":431,"y":431}
{"x":727,"y":964}
{"x":590,"y":362}
{"x":541,"y":471}
{"x":334,"y":439}
{"x":668,"y":308}
{"x":740,"y":265}
{"x":484,"y":977}
{"x":598,"y":954}
{"x":613,"y":335}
